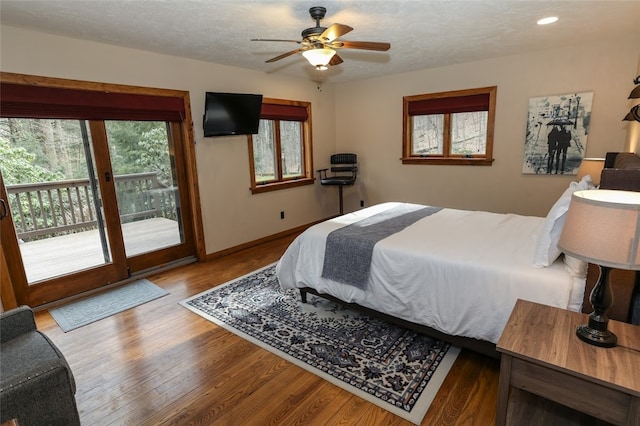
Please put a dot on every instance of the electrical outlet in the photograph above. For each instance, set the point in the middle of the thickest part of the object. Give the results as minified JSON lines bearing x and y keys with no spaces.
{"x":361,"y":203}
{"x":282,"y":215}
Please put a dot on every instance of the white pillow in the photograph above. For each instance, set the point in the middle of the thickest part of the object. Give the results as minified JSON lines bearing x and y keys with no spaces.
{"x":547,"y":250}
{"x":575,"y":267}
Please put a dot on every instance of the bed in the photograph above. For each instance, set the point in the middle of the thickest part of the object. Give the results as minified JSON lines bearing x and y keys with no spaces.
{"x":450,"y":273}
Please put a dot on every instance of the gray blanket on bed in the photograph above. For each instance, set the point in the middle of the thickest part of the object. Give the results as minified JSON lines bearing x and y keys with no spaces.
{"x":348,"y":251}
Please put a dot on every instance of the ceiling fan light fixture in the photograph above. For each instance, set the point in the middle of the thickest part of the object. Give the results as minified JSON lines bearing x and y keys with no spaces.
{"x":318,"y":43}
{"x":319,"y":57}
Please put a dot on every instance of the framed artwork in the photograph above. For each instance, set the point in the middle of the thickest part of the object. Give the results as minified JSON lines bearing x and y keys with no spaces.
{"x":557,"y":131}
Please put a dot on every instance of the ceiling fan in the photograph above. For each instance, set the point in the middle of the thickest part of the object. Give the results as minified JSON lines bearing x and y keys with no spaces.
{"x":318,"y":43}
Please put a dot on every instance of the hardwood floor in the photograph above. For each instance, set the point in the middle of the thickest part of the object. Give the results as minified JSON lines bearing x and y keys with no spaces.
{"x":160,"y":364}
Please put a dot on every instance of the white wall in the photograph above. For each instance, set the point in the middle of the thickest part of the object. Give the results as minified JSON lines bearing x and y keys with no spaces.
{"x":369,"y":122}
{"x":364,"y":117}
{"x":231,"y":214}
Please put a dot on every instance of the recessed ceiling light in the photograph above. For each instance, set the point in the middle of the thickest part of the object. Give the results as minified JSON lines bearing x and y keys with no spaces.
{"x":548,"y":20}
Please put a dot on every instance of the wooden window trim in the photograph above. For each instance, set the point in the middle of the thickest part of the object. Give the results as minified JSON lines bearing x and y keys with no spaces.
{"x":302,"y":115}
{"x":473,"y":160}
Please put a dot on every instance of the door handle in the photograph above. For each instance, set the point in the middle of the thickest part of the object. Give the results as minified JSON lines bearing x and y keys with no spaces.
{"x":4,"y":211}
{"x":107,"y":176}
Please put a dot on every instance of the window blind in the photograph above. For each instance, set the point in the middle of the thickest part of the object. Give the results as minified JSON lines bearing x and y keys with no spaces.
{"x":283,"y":112}
{"x":27,"y":101}
{"x":468,"y":103}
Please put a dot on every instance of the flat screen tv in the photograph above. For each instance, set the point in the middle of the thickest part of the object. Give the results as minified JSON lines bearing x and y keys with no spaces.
{"x":231,"y":113}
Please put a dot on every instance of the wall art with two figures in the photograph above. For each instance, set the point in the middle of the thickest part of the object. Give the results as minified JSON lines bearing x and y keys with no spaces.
{"x":557,"y":131}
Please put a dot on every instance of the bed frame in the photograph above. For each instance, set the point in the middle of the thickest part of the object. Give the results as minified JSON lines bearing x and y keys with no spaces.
{"x":625,"y":284}
{"x":480,"y":346}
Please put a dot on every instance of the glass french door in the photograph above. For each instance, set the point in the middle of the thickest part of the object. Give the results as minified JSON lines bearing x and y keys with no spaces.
{"x":91,"y":202}
{"x":144,"y":161}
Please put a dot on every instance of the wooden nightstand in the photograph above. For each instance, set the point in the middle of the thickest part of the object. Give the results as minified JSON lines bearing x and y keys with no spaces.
{"x":542,"y":355}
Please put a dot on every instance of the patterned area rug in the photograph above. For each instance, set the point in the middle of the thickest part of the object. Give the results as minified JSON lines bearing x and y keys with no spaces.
{"x":394,"y":368}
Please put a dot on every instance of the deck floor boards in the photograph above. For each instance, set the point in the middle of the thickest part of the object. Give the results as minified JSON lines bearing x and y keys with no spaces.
{"x":61,"y":255}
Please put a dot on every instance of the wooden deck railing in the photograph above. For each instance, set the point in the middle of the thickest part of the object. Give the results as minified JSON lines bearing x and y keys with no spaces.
{"x":56,"y":208}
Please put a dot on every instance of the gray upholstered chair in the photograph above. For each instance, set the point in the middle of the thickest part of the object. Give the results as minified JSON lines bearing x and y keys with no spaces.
{"x":36,"y":383}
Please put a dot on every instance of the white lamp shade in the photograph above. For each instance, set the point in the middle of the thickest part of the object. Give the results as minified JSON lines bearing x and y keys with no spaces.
{"x":603,"y":227}
{"x":592,"y":167}
{"x":319,"y":57}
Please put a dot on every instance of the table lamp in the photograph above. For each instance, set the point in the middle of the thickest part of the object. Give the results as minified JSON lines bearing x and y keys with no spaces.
{"x":602,"y":227}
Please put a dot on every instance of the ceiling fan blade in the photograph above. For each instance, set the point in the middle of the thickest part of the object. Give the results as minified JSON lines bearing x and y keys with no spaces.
{"x":335,"y":31}
{"x":275,"y":39}
{"x":335,"y":60}
{"x":364,"y":45}
{"x":284,"y":55}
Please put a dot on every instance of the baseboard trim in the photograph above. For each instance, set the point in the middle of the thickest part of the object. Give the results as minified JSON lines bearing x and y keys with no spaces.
{"x":260,"y":241}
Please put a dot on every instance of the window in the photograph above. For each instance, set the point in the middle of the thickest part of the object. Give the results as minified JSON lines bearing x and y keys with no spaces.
{"x":280,"y":153}
{"x":449,"y":127}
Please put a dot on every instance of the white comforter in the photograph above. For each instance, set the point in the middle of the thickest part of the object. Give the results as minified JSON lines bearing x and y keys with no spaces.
{"x":459,"y":272}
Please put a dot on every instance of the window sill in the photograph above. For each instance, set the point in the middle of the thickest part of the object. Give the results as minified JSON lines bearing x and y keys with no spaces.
{"x":448,"y":161}
{"x":276,"y":186}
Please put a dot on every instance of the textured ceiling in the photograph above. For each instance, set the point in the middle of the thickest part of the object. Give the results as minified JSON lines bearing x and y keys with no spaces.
{"x":423,"y":34}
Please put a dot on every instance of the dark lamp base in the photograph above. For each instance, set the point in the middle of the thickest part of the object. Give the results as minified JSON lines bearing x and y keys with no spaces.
{"x":604,"y":339}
